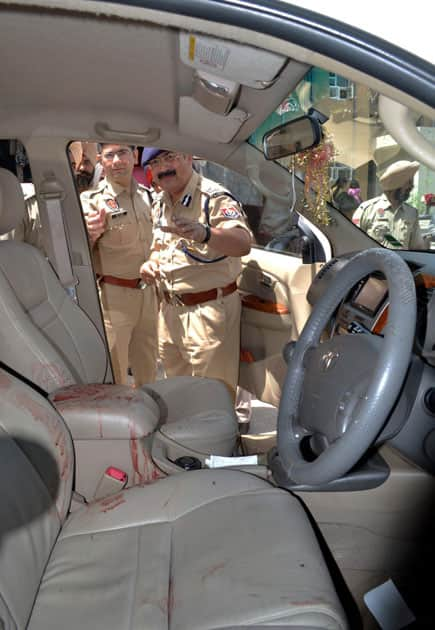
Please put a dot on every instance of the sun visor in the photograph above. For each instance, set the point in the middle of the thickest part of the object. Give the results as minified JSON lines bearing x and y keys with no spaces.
{"x":246,"y":65}
{"x":196,"y":121}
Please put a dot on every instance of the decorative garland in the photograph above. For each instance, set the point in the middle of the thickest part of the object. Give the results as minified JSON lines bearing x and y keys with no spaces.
{"x":316,"y":163}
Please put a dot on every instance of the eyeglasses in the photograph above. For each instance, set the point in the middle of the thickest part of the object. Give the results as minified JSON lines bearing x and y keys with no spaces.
{"x":121,"y":153}
{"x":172,"y":156}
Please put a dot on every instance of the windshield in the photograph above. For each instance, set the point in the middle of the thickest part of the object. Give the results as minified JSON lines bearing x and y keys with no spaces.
{"x":372,"y":180}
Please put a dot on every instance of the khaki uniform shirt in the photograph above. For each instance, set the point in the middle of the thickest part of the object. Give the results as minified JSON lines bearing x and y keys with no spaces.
{"x":395,"y":229}
{"x":179,"y":272}
{"x":125,"y":244}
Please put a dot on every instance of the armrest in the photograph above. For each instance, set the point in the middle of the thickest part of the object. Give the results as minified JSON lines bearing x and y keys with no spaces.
{"x":115,"y":412}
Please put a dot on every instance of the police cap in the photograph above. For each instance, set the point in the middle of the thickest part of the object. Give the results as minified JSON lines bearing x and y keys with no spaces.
{"x":149,"y":153}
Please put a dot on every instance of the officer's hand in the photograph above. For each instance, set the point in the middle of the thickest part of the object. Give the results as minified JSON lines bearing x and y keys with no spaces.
{"x":96,"y":224}
{"x":192,"y":230}
{"x":380,"y":230}
{"x":150,"y":272}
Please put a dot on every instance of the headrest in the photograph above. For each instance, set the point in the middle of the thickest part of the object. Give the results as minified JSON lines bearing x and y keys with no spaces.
{"x":12,"y":207}
{"x":398,"y":174}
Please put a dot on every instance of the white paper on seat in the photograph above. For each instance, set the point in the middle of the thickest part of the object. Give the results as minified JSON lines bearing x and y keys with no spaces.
{"x":217,"y":461}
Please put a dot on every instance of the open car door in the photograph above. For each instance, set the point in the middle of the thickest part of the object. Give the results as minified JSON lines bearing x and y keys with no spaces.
{"x":274,"y":284}
{"x":287,"y":253}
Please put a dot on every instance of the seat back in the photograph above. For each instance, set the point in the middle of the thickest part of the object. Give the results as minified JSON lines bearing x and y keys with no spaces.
{"x":44,"y":335}
{"x":36,"y":472}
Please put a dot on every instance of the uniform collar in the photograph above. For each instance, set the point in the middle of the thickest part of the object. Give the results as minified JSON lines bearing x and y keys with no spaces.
{"x":385,"y":201}
{"x":116,"y":189}
{"x":189,"y":189}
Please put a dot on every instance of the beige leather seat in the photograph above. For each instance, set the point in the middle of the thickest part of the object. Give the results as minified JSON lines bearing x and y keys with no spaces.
{"x":197,"y":551}
{"x":48,"y":339}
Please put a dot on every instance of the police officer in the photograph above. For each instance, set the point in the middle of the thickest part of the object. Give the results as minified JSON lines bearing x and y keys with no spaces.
{"x":200,"y":233}
{"x":88,"y":169}
{"x":75,"y":152}
{"x":118,"y":219}
{"x":83,"y":157}
{"x":388,"y":219}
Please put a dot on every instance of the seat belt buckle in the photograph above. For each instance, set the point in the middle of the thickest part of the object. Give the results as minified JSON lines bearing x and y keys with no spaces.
{"x":112,"y":481}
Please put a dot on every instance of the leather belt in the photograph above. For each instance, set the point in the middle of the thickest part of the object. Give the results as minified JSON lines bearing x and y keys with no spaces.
{"x":134,"y":283}
{"x":190,"y":299}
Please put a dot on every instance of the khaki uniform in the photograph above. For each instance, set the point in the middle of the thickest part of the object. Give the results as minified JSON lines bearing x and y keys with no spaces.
{"x":130,"y":314}
{"x":202,"y":339}
{"x":395,"y":229}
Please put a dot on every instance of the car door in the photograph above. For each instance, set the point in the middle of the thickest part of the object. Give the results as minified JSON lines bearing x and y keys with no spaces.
{"x":283,"y":261}
{"x":273,"y":285}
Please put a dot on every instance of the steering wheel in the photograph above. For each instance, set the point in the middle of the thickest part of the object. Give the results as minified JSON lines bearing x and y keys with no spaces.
{"x":338,"y":394}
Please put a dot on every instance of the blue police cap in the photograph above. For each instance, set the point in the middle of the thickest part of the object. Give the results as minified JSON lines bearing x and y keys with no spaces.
{"x":150,"y":153}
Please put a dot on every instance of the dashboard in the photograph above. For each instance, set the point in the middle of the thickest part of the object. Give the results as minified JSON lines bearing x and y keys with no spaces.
{"x":365,"y":308}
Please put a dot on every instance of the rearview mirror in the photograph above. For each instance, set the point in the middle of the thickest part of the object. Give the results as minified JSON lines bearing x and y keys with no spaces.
{"x":292,"y":137}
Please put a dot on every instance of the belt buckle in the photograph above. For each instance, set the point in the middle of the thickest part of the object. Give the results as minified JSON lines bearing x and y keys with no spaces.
{"x":175,"y":299}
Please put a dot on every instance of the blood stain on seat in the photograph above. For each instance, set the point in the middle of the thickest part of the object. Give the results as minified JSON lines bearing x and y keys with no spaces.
{"x":49,"y":419}
{"x":111,"y":503}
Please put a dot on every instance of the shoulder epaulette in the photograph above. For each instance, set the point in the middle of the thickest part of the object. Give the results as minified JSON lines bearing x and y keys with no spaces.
{"x":212,"y":189}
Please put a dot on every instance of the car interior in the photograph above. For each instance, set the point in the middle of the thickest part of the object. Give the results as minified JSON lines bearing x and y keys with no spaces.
{"x":150,"y":507}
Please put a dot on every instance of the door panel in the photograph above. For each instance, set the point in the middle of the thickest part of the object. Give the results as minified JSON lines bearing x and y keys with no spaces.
{"x":274,"y":310}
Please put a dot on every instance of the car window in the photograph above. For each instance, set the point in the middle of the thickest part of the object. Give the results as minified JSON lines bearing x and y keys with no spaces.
{"x":242,"y":189}
{"x":273,"y":224}
{"x":371,"y":180}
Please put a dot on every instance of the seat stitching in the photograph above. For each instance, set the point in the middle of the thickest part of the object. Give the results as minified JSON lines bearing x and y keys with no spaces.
{"x":72,"y":339}
{"x":20,"y":331}
{"x":170,"y":605}
{"x":136,"y":579}
{"x":9,"y":611}
{"x":63,"y":300}
{"x":164,"y":518}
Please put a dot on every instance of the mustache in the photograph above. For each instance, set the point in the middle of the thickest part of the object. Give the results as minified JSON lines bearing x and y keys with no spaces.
{"x":166,"y":174}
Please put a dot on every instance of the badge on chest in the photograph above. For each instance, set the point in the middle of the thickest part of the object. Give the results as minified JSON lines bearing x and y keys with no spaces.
{"x":115,"y":211}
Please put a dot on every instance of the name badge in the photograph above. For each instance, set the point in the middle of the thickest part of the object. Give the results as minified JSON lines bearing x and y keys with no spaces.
{"x":114,"y":208}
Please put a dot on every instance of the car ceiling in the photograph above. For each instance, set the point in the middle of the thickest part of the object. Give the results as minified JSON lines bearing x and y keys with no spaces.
{"x":72,"y":75}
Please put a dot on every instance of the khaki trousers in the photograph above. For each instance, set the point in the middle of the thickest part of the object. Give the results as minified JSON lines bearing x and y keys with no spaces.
{"x":130,"y":319}
{"x":202,"y":340}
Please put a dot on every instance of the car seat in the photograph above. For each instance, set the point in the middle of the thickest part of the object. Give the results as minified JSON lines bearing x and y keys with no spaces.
{"x":47,"y":338}
{"x":199,"y":550}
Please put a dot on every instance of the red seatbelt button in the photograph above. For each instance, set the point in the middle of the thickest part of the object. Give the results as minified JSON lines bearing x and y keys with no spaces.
{"x":116,"y":473}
